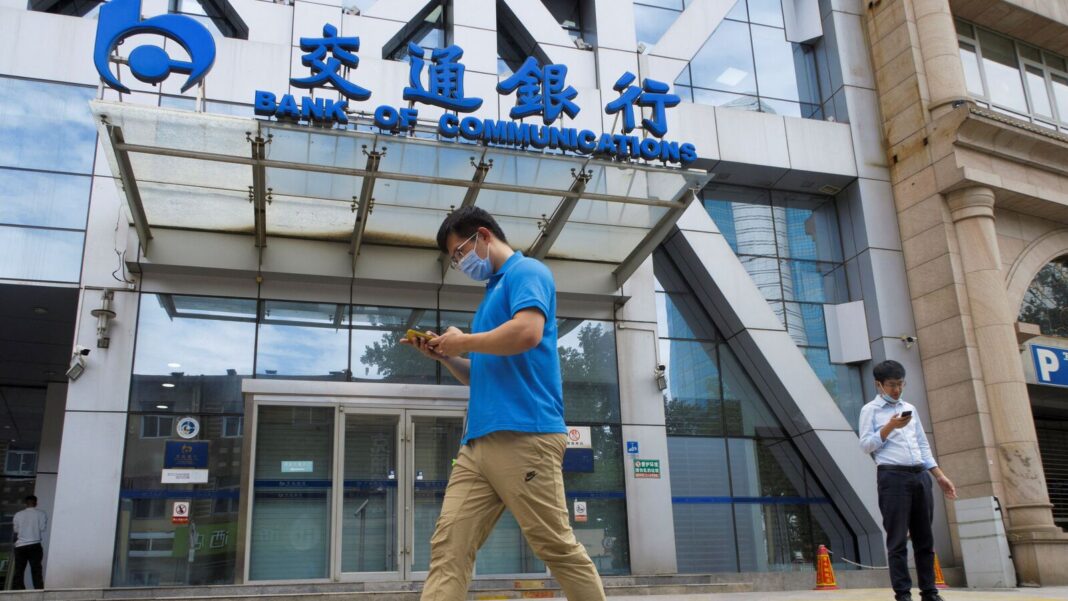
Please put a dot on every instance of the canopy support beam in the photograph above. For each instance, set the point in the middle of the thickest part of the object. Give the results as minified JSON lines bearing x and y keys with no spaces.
{"x":552,"y":228}
{"x":652,"y":239}
{"x":482,"y":169}
{"x":366,"y":203}
{"x":259,"y":189}
{"x":129,"y":185}
{"x":401,"y":177}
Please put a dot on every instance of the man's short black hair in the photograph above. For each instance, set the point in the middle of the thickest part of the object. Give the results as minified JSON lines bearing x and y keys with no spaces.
{"x":464,"y":222}
{"x":30,"y":500}
{"x":889,"y":370}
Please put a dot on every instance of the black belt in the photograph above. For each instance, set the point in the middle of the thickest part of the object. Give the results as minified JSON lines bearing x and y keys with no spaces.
{"x":915,"y":469}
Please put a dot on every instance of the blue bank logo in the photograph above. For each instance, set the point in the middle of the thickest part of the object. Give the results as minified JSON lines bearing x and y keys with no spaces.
{"x":120,"y":19}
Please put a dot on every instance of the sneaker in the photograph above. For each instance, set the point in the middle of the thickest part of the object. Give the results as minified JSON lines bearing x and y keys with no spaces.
{"x":903,"y":597}
{"x":934,"y":597}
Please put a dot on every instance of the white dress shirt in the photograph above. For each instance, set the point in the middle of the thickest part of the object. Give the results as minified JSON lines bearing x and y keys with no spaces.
{"x":906,"y":445}
{"x":29,"y":524}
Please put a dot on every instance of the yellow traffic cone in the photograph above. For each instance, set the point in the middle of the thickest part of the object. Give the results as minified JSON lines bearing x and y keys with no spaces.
{"x":824,"y":572}
{"x":940,"y":580}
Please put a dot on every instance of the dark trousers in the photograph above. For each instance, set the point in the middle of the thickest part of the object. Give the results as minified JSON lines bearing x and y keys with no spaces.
{"x":907,"y":507}
{"x":31,"y":554}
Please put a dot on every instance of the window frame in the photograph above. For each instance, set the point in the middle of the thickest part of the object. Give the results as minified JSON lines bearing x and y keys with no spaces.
{"x":1056,"y":122}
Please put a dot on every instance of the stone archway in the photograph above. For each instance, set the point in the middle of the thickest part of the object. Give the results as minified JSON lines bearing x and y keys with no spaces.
{"x":1041,"y":251}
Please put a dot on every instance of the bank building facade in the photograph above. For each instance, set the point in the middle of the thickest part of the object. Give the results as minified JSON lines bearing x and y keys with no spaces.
{"x":218,"y":218}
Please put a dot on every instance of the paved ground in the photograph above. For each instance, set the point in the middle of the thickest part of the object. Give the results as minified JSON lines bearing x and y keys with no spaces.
{"x":1020,"y":594}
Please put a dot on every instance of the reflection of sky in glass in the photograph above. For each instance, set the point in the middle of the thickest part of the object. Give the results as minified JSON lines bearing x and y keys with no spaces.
{"x":33,"y":254}
{"x":301,"y":351}
{"x":650,"y":23}
{"x":748,"y":54}
{"x":46,"y":126}
{"x":725,"y":62}
{"x":199,"y":346}
{"x":692,"y":372}
{"x":48,"y":199}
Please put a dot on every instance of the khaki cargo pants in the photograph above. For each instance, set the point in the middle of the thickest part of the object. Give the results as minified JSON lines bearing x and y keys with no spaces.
{"x":520,"y":472}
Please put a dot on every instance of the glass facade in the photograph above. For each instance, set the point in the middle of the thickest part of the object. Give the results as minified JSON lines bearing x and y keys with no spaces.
{"x":1015,"y":78}
{"x":746,"y":63}
{"x":45,"y":178}
{"x":568,"y":13}
{"x":791,"y":247}
{"x":175,"y":374}
{"x":736,"y":479}
{"x":1046,"y":301}
{"x":430,"y":32}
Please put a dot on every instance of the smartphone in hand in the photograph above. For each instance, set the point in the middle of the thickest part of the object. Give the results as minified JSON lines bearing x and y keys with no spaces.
{"x":411,"y":335}
{"x":906,"y":413}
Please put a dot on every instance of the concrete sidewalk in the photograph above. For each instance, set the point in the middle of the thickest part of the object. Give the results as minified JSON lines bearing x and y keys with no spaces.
{"x":1019,"y":594}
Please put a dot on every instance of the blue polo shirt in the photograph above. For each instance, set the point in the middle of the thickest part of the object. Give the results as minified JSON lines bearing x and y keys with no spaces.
{"x":519,"y":393}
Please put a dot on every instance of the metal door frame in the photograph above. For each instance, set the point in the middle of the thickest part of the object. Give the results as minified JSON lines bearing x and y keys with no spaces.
{"x":409,"y":484}
{"x":344,"y":397}
{"x":343,"y":411}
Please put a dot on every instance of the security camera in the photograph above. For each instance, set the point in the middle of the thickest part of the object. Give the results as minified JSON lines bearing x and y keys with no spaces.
{"x":909,"y":340}
{"x":660,"y":373}
{"x":77,"y":363}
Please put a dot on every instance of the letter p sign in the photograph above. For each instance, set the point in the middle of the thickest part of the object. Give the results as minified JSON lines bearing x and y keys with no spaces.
{"x":1048,"y":361}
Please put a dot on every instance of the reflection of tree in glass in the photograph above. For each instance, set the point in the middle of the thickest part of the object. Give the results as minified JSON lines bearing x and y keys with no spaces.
{"x":393,"y":361}
{"x":589,"y":375}
{"x":696,"y":417}
{"x":1046,"y":300}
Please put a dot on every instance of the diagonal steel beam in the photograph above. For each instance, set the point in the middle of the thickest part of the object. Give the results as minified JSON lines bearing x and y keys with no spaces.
{"x":363,"y":206}
{"x":652,"y":239}
{"x":259,"y":189}
{"x":482,"y":169}
{"x":129,"y":185}
{"x":552,"y":228}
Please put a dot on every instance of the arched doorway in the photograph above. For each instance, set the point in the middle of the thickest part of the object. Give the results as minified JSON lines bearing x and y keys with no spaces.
{"x":1045,"y":304}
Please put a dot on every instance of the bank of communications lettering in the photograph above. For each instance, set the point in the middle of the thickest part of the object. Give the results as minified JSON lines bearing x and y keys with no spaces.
{"x":540,"y":90}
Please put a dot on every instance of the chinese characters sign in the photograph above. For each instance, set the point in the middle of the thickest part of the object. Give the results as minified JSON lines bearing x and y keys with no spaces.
{"x":332,"y":61}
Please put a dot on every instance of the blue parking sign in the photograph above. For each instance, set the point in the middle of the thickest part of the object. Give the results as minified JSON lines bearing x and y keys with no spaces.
{"x":632,"y":446}
{"x":1051,"y":365}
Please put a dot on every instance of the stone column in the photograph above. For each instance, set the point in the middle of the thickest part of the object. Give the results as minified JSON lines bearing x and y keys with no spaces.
{"x":1028,"y":509}
{"x":941,"y":57}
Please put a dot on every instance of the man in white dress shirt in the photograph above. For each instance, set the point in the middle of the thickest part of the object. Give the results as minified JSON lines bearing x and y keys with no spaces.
{"x":891,"y":432}
{"x":30,"y":524}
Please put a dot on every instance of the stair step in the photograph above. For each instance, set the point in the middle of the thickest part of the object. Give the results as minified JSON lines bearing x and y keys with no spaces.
{"x":481,"y":590}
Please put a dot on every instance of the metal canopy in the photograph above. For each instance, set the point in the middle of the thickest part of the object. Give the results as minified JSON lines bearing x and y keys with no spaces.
{"x":194,"y":171}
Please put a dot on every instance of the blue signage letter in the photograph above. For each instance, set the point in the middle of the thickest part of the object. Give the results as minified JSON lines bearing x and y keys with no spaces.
{"x":343,"y":54}
{"x":541,"y":91}
{"x":445,"y":85}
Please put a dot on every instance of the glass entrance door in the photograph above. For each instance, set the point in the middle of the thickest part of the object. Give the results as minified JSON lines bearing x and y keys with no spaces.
{"x":344,"y":492}
{"x":347,"y":493}
{"x":435,"y":442}
{"x":370,"y":505}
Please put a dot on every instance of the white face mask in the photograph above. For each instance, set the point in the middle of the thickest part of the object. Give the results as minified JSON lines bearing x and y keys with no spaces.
{"x":476,"y":267}
{"x":888,"y":398}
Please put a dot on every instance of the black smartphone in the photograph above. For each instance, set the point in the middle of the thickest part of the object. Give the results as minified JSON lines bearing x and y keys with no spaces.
{"x":906,"y":413}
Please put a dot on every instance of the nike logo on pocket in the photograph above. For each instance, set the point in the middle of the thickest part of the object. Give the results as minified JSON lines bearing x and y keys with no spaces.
{"x":530,"y":476}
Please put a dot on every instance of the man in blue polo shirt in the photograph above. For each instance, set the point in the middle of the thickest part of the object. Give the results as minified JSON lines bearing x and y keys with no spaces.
{"x":513,"y":447}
